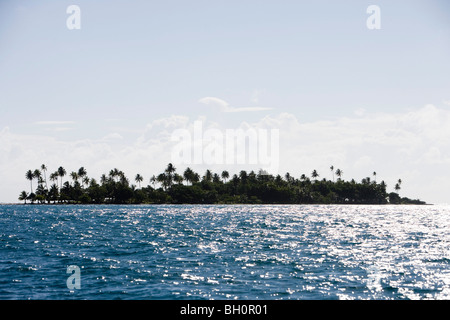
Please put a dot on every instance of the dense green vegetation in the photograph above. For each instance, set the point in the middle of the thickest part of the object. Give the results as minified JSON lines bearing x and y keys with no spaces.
{"x":211,"y":188}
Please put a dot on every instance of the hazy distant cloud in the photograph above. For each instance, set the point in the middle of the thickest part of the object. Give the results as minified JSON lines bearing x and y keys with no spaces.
{"x":225,"y":107}
{"x":53,"y":123}
{"x":160,"y":130}
{"x":413,"y":146}
{"x":55,"y":126}
{"x":58,"y":129}
{"x":360,"y":112}
{"x":112,"y":137}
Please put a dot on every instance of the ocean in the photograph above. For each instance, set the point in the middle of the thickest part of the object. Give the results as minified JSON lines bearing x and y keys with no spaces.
{"x":224,"y":252}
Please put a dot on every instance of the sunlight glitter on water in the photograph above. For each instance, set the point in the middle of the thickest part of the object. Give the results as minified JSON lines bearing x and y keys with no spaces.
{"x":227,"y":252}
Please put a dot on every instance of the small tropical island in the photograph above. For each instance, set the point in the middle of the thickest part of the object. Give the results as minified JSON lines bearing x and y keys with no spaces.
{"x":170,"y":187}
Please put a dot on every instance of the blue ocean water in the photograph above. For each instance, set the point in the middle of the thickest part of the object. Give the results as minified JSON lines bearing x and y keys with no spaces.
{"x":225,"y":252}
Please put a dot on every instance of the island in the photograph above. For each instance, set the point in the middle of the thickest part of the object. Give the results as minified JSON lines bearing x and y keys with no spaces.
{"x":170,"y":187}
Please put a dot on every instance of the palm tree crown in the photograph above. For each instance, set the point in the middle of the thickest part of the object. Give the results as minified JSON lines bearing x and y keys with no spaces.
{"x":314,"y":174}
{"x":23,"y":196}
{"x":225,"y":175}
{"x":61,"y":173}
{"x":188,"y":175}
{"x":169,"y":174}
{"x":339,"y":173}
{"x":138,"y":179}
{"x":29,"y":175}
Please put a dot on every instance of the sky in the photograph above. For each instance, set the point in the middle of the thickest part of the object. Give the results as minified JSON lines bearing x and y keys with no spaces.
{"x":112,"y":93}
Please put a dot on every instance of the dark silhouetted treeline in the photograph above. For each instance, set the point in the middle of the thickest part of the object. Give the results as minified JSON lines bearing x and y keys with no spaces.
{"x":170,"y":187}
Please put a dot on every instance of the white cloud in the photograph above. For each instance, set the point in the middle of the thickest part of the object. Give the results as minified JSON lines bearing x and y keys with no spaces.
{"x":414,"y":146}
{"x":55,"y":126}
{"x":112,"y":137}
{"x":46,"y":123}
{"x":160,"y":130}
{"x":59,"y":129}
{"x":225,"y":107}
{"x":360,"y":112}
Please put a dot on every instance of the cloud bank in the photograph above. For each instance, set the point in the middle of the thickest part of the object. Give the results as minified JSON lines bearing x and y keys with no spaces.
{"x":413,"y":146}
{"x":225,"y":107}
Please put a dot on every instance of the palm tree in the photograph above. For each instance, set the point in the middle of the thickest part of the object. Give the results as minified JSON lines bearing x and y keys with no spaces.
{"x":29,"y":175}
{"x":37,"y":175}
{"x":162,"y":178}
{"x":74,"y":176}
{"x":61,"y":173}
{"x":288,"y":177}
{"x":375,"y":176}
{"x":178,"y":178}
{"x":122,"y":178}
{"x":82,"y":172}
{"x":115,"y":173}
{"x":41,"y":182}
{"x":44,"y":169}
{"x":54,"y":176}
{"x":138,"y":179}
{"x":23,"y":196}
{"x":216,"y":178}
{"x":188,"y":175}
{"x":170,"y":171}
{"x":195,"y":177}
{"x":235,"y":182}
{"x":53,"y":192}
{"x":225,"y":175}
{"x":243,"y":175}
{"x":208,"y":176}
{"x":398,"y":185}
{"x":153,"y":181}
{"x":86,"y":181}
{"x":314,"y":174}
{"x":112,"y":174}
{"x":332,"y":171}
{"x":32,"y":197}
{"x":339,"y":173}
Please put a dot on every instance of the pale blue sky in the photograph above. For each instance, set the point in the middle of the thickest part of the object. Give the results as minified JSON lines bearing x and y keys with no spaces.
{"x":134,"y":62}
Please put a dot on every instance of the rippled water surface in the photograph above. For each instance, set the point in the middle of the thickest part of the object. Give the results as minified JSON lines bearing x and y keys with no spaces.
{"x":226,"y":252}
